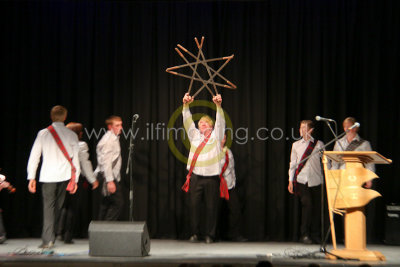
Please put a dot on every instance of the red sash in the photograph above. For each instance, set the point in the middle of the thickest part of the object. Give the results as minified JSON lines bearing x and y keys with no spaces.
{"x":185,"y":187}
{"x":71,"y":184}
{"x":223,"y":186}
{"x":307,"y":153}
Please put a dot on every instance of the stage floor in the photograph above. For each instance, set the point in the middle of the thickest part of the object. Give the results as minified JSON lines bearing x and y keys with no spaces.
{"x":25,"y":252}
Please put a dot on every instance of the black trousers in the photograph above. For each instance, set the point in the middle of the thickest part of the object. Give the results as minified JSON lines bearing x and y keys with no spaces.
{"x":111,"y":206}
{"x":234,"y":208}
{"x":53,"y":201}
{"x":70,"y":212}
{"x":204,"y":188}
{"x":310,"y":198}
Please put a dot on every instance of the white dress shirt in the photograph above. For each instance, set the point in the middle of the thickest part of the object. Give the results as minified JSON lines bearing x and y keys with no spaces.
{"x":86,"y":165}
{"x":208,"y":162}
{"x":365,"y":146}
{"x":109,"y":157}
{"x":312,"y":171}
{"x":229,"y":173}
{"x":55,"y":167}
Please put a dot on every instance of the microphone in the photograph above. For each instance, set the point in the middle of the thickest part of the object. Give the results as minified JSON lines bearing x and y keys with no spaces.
{"x":135,"y":117}
{"x":355,"y":125}
{"x":319,"y":118}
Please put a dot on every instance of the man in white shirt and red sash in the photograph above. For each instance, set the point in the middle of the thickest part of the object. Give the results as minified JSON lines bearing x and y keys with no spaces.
{"x":305,"y":181}
{"x":203,"y":181}
{"x":60,"y":169}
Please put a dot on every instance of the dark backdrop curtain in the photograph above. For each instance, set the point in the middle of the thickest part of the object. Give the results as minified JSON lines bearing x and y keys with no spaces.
{"x":293,"y":60}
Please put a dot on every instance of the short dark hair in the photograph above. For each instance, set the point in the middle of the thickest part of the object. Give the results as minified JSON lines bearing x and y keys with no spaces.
{"x":58,"y":113}
{"x":310,"y":123}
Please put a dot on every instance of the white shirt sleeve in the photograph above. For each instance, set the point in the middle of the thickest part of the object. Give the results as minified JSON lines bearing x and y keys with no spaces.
{"x":220,"y":124}
{"x":75,"y":158}
{"x":232,"y":163}
{"x":334,"y":164}
{"x":108,"y":152}
{"x":86,"y":165}
{"x":293,"y":162}
{"x":34,"y":157}
{"x":366,"y":146}
{"x":188,"y":124}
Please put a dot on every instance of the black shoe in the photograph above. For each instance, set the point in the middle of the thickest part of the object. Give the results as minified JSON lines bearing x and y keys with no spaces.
{"x":194,"y":239}
{"x":2,"y":239}
{"x":70,"y":241}
{"x":239,"y":239}
{"x":208,"y":240}
{"x":306,"y":240}
{"x":47,"y":245}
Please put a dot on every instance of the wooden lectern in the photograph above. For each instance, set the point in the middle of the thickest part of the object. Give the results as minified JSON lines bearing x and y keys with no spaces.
{"x":347,"y":196}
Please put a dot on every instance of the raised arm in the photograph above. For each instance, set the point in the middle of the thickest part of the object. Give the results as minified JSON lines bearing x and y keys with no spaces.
{"x":220,"y":118}
{"x":188,"y":122}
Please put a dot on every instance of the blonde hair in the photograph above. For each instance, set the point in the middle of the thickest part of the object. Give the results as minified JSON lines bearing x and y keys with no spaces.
{"x":352,"y":120}
{"x":111,"y":119}
{"x":58,"y":113}
{"x":208,"y":120}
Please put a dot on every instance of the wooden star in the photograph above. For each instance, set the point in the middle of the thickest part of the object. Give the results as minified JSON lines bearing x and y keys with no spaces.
{"x":200,"y":59}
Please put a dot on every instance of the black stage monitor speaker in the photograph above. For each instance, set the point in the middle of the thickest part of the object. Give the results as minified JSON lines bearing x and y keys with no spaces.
{"x":392,"y":224}
{"x":118,"y":239}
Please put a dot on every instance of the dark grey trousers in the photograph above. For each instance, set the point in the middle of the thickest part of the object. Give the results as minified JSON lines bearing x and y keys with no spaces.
{"x":53,"y":200}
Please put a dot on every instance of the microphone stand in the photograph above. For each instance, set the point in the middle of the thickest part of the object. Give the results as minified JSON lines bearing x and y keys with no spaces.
{"x":129,"y":168}
{"x":334,"y":134}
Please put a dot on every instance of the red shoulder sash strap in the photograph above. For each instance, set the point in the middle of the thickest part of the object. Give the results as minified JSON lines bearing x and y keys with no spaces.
{"x":223,"y":186}
{"x":185,"y":187}
{"x":306,"y":153}
{"x":71,"y":184}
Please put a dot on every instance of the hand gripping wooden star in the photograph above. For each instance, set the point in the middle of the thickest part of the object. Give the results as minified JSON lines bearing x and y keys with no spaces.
{"x":200,"y":59}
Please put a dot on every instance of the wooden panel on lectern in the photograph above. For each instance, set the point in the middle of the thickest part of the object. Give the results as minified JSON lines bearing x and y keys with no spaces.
{"x":365,"y":156}
{"x":350,"y":181}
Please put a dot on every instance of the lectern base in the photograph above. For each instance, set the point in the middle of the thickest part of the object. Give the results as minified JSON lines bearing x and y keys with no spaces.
{"x":362,"y":255}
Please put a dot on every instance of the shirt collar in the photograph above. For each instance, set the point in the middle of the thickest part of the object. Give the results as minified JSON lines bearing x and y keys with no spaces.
{"x":356,"y":138}
{"x":58,"y":123}
{"x":304,"y":141}
{"x":112,"y":134}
